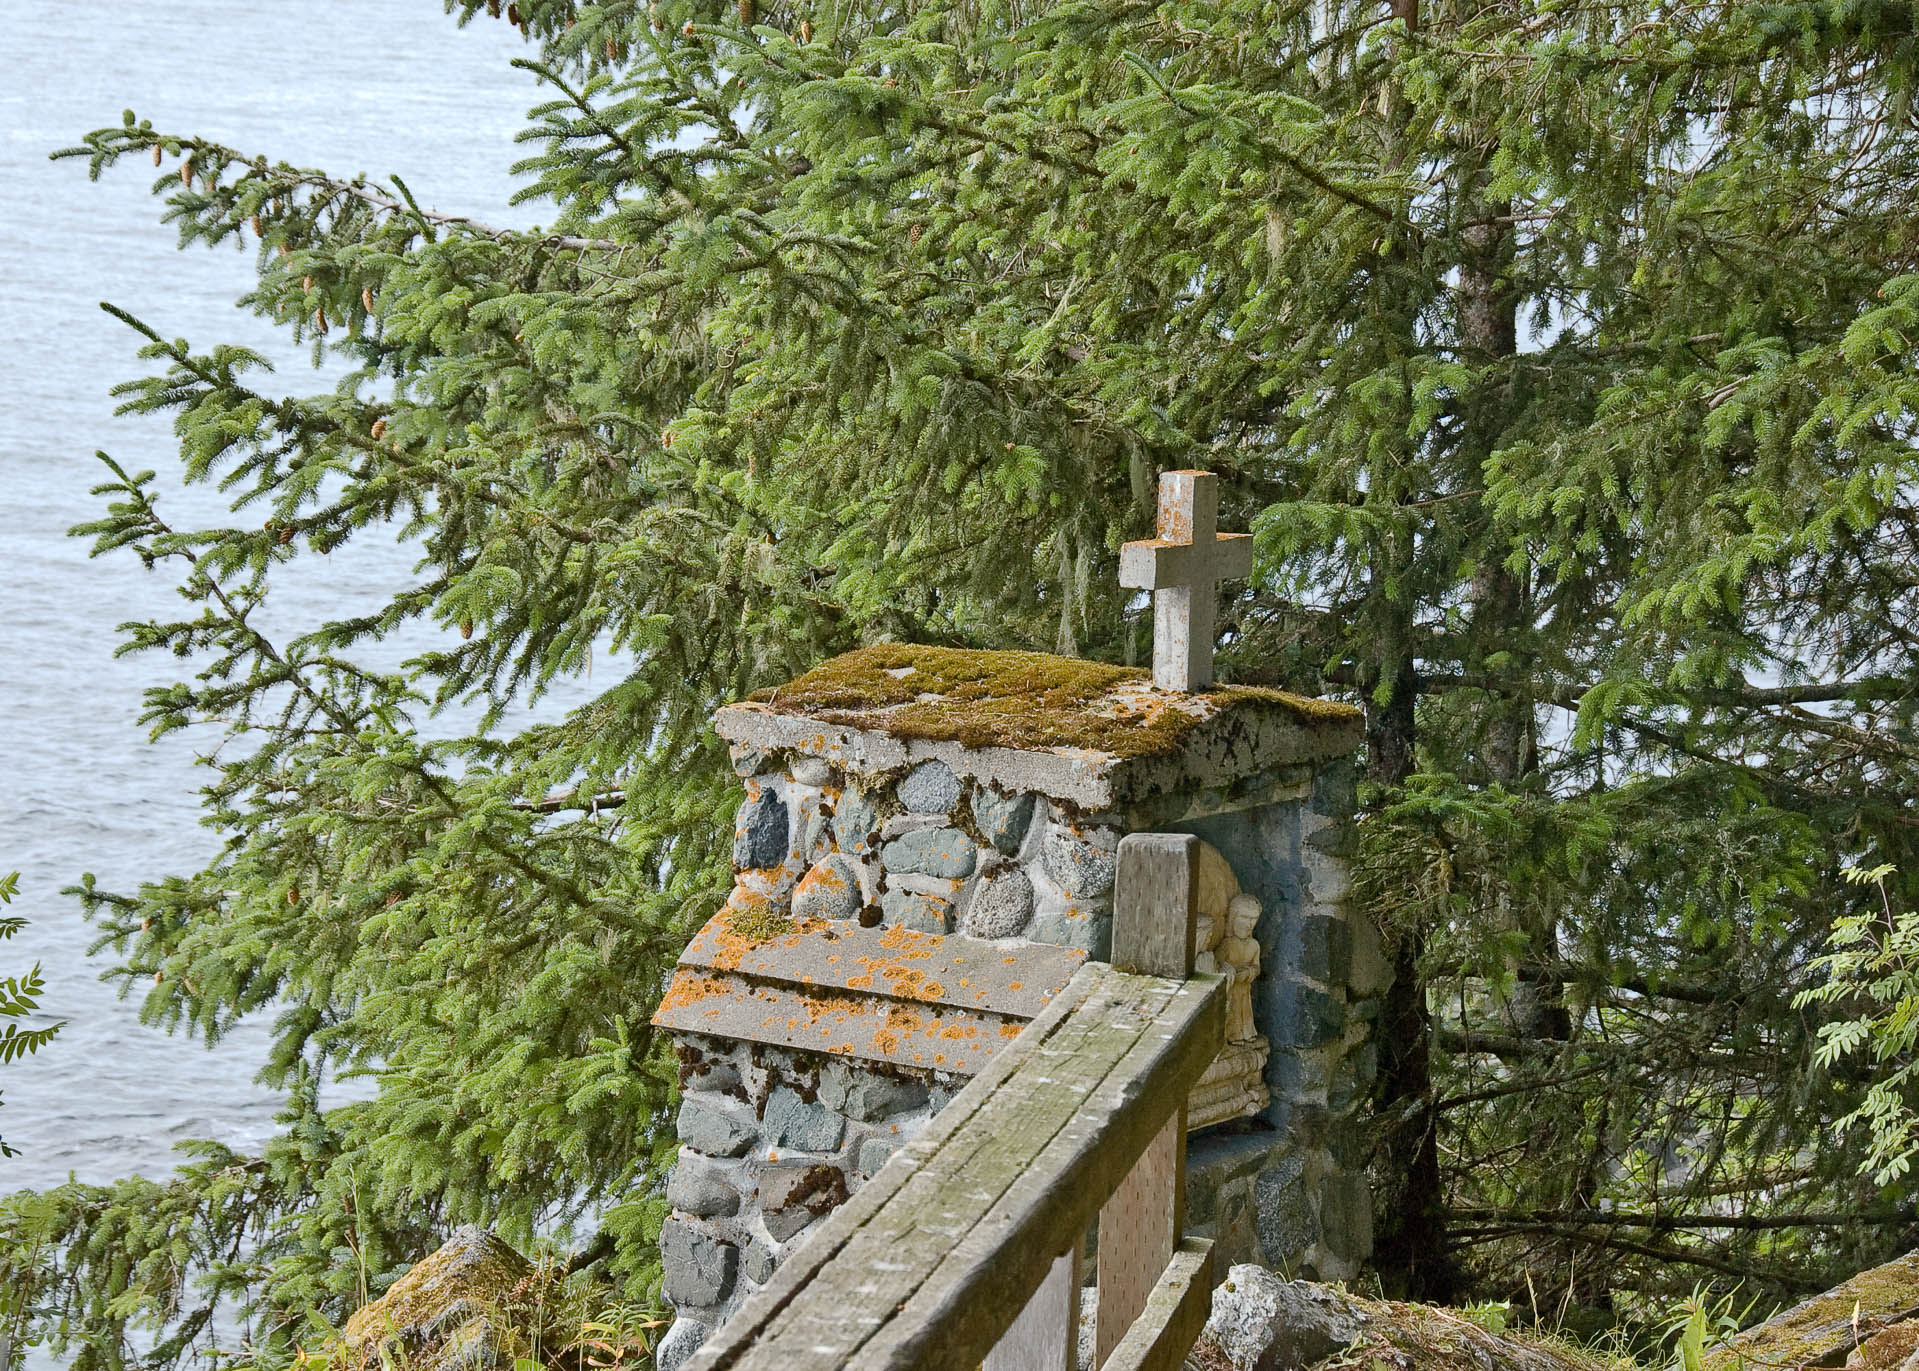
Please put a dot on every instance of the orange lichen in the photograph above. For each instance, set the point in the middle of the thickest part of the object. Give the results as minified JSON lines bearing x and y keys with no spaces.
{"x":900,"y":938}
{"x":689,"y":988}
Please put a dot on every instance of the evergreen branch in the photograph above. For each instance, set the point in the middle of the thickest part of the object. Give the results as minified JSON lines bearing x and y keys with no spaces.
{"x":1867,"y":690}
{"x":1608,"y":1218}
{"x":573,"y":799}
{"x":106,"y":146}
{"x":1671,"y":1256}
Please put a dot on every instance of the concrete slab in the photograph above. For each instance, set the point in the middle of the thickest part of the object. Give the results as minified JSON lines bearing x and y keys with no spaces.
{"x":944,"y":1002}
{"x":1093,"y":736}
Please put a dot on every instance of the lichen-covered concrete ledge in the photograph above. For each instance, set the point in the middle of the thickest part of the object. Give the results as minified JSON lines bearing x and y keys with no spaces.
{"x":893,"y":995}
{"x":1095,"y":735}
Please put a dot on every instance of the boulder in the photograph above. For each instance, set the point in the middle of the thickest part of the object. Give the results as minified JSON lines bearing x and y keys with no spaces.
{"x":445,"y":1313}
{"x":1264,"y":1322}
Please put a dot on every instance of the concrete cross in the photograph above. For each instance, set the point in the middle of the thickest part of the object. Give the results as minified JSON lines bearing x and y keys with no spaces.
{"x":1183,"y":567}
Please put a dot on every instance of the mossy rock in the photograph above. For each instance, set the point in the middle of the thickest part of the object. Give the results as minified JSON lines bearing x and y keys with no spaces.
{"x":441,"y":1315}
{"x":1261,"y":1321}
{"x":1824,"y":1329}
{"x":1022,"y":700}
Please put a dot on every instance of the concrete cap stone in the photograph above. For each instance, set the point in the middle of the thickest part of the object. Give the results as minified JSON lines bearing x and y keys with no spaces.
{"x":942,"y":1002}
{"x":1087,"y":733}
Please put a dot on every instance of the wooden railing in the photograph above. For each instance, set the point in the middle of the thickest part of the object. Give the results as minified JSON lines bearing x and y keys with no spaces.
{"x":963,"y":1251}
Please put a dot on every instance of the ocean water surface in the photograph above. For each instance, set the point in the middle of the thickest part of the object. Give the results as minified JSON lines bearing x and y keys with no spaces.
{"x":380,"y":86}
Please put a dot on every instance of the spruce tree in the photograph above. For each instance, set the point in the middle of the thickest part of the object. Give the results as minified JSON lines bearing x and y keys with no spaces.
{"x":1557,"y":352}
{"x":19,"y":997}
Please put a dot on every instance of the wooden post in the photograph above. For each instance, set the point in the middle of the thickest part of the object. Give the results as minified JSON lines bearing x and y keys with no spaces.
{"x":1045,"y":1336}
{"x":1154,"y":910}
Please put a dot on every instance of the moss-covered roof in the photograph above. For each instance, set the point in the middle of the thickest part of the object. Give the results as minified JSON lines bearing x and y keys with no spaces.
{"x":1025,"y":700}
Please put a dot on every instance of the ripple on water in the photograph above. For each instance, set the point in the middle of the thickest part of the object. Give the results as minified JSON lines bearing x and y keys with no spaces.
{"x":83,"y":791}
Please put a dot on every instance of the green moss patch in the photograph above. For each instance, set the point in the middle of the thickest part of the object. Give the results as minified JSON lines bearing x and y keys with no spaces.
{"x":1025,"y":700}
{"x":1826,"y":1327}
{"x":444,"y":1306}
{"x":756,"y":921}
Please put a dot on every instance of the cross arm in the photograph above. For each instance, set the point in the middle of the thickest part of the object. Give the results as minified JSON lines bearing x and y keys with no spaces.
{"x":1155,"y":563}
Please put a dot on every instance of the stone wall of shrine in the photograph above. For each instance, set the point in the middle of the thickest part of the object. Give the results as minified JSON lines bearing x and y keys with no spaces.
{"x":924,"y":855}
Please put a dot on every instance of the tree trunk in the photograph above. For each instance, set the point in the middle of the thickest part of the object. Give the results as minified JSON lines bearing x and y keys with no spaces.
{"x":1409,"y":1250}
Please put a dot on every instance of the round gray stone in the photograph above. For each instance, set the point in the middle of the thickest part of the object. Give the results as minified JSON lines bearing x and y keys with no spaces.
{"x":930,"y":788}
{"x":1087,"y":927}
{"x":1082,"y":864}
{"x":758,"y":1262}
{"x":699,"y":1268}
{"x":810,"y":770}
{"x":944,"y":852}
{"x":806,"y":1125}
{"x":855,"y":821}
{"x":873,"y":1154}
{"x":1000,"y":906}
{"x":682,"y":1340}
{"x":866,"y":1095}
{"x":816,"y":836}
{"x":705,"y":1070}
{"x":1284,"y":1217}
{"x":711,"y":1131}
{"x":831,"y":890}
{"x":791,"y":1197}
{"x":921,"y":913}
{"x":699,"y":1190}
{"x":1003,"y":819}
{"x":748,"y":761}
{"x":1264,"y":1322}
{"x":759,"y":832}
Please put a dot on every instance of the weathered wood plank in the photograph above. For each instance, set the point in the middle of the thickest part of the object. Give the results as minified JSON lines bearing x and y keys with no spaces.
{"x":1139,"y":1229}
{"x":829,"y":1237}
{"x":1154,"y":900}
{"x":931,"y":1275}
{"x":944,"y":1325}
{"x":908,"y":1246}
{"x":1155,"y":903}
{"x":1174,"y":1314}
{"x":1045,"y":1335}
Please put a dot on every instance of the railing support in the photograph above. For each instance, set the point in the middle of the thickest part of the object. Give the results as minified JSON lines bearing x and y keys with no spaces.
{"x":1154,"y":913}
{"x":1045,"y":1336}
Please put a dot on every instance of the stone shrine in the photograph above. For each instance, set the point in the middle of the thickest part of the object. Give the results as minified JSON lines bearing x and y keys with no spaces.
{"x":924,"y":856}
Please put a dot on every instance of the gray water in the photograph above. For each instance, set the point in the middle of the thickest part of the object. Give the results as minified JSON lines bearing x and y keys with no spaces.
{"x":380,"y":86}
